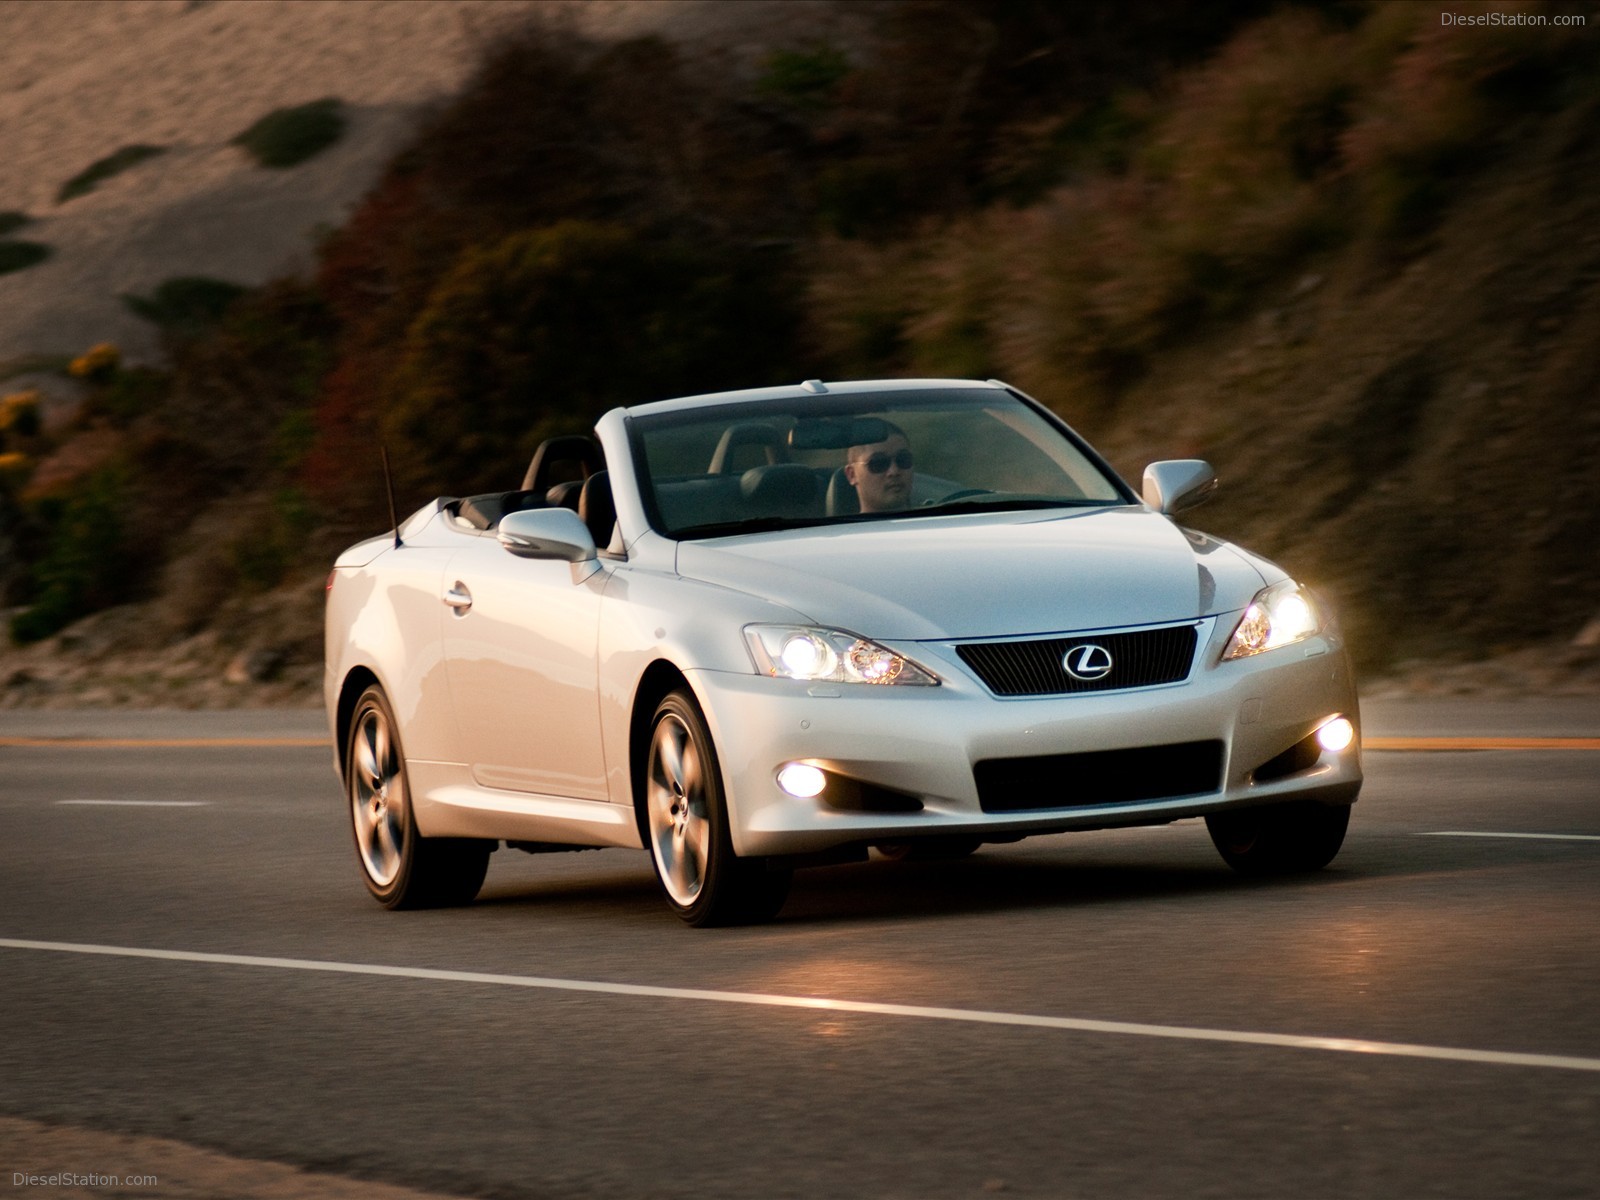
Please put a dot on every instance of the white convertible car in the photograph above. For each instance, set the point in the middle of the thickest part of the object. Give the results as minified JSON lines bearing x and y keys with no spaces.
{"x":766,"y":629}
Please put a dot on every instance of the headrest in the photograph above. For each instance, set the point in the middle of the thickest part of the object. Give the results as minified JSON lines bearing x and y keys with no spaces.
{"x":783,"y":489}
{"x":842,"y":498}
{"x":748,"y":433}
{"x":573,"y":448}
{"x":565,"y":495}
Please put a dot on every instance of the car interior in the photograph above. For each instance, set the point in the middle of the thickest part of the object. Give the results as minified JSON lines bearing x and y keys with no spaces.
{"x":547,"y":484}
{"x":751,"y":477}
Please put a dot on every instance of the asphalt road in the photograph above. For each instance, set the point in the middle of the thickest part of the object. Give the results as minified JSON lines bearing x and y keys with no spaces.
{"x":1094,"y":1015}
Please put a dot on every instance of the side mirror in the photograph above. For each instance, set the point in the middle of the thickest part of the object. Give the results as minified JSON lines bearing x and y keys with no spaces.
{"x":551,"y":533}
{"x":1178,"y":483}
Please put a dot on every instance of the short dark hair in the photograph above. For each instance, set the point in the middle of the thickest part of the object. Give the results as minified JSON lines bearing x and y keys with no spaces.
{"x":890,"y":430}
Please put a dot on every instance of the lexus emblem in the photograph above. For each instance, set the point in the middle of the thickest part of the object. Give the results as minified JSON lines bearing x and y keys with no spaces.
{"x":1087,"y":662}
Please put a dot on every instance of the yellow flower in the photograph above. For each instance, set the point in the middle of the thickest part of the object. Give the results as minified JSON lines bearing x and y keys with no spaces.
{"x":14,"y":468}
{"x":98,"y":363}
{"x":19,"y":413}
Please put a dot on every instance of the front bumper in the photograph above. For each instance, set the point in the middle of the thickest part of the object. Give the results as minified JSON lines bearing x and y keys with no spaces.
{"x":923,"y":743}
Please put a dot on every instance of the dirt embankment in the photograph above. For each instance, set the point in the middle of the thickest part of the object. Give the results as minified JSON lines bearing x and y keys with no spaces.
{"x":1421,"y":439}
{"x":1356,"y":265}
{"x":1417,"y":437}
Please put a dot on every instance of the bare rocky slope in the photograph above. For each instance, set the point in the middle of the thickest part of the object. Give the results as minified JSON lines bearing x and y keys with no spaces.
{"x":83,"y":80}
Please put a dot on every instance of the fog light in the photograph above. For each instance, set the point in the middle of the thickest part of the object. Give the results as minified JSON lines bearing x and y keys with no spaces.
{"x":1337,"y":734}
{"x":802,"y":780}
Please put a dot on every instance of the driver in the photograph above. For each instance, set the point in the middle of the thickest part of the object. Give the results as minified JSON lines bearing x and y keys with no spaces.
{"x":881,"y":472}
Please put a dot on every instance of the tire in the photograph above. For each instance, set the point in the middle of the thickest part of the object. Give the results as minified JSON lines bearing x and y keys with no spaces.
{"x":401,"y":868}
{"x":686,"y":825}
{"x":932,"y":849}
{"x":1279,"y":839}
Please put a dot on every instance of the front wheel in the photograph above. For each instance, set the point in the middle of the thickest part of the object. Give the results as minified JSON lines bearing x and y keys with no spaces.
{"x":686,"y":817}
{"x":1279,"y":839}
{"x":402,"y":869}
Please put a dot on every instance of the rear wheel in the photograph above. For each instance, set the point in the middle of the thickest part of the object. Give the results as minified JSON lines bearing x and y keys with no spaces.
{"x":686,"y":816}
{"x":402,"y":869}
{"x":1279,"y":839}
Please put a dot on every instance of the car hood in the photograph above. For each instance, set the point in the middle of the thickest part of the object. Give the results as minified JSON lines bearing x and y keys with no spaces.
{"x":984,"y":575}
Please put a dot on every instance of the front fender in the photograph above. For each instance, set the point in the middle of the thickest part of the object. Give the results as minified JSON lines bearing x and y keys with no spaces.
{"x":650,"y":617}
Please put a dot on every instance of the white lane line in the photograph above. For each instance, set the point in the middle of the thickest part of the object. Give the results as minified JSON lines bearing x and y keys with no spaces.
{"x":1501,"y":1058}
{"x":137,"y":803}
{"x":1532,"y":837}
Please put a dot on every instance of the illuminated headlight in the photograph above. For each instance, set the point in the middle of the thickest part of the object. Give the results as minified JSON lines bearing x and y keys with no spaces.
{"x":1280,"y":615}
{"x":1336,"y":735}
{"x":829,"y":656}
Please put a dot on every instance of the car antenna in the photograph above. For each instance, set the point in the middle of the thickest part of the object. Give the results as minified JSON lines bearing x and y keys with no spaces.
{"x":388,"y":486}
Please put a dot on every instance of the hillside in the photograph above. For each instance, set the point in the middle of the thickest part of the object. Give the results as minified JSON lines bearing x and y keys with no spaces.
{"x":1419,"y":437}
{"x":87,"y":79}
{"x":1348,"y":253}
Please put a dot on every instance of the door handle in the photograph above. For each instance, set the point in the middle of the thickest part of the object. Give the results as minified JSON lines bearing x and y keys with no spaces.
{"x":458,"y":597}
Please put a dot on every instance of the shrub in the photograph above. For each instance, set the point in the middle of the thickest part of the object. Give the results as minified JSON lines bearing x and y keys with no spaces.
{"x":97,"y":172}
{"x":186,"y":305}
{"x":87,"y":565}
{"x":18,"y":256}
{"x":866,"y":197}
{"x":131,"y":393}
{"x":860,"y":303}
{"x":263,"y":555}
{"x":1446,"y":100}
{"x":562,"y":323}
{"x":1181,"y":208}
{"x":804,"y":79}
{"x":231,"y":398}
{"x":287,"y":137}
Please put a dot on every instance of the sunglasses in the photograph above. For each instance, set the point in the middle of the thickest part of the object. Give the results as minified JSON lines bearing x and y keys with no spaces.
{"x":879,"y":462}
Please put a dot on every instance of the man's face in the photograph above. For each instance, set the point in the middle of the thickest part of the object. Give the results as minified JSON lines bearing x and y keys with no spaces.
{"x":881,"y":474}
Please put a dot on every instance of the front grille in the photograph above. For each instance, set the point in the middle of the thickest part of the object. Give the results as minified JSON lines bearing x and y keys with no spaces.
{"x":1141,"y":658}
{"x":1098,"y":777}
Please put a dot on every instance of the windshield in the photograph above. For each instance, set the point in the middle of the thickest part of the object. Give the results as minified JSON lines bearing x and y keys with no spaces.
{"x":876,"y":456}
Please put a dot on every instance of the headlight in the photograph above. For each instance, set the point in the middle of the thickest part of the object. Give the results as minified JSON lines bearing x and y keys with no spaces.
{"x":1280,"y":615}
{"x":829,"y":656}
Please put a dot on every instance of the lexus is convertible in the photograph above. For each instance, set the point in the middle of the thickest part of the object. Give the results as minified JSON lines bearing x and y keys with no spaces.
{"x":766,"y":629}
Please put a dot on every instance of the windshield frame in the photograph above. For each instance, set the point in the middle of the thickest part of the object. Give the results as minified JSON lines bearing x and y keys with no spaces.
{"x":845,"y":404}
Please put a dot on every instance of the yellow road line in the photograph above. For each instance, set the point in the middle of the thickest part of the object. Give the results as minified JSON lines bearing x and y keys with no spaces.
{"x":1481,"y":743}
{"x":157,"y":743}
